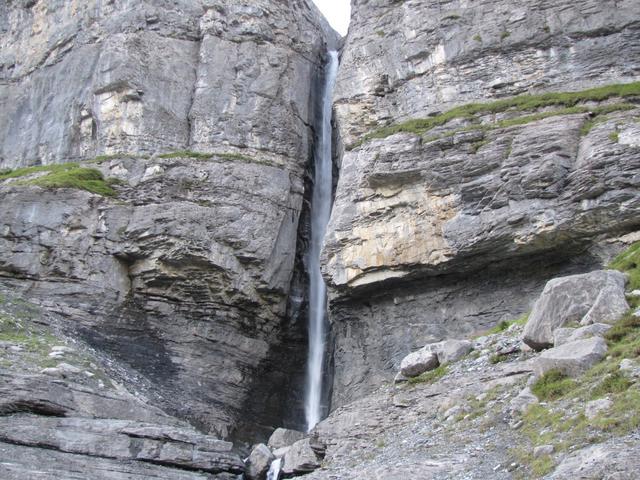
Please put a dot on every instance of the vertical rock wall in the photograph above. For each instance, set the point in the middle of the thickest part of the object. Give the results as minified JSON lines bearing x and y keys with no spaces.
{"x":183,"y":279}
{"x":446,"y":222}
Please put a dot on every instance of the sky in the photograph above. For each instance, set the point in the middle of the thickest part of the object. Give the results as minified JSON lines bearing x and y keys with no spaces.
{"x":338,"y":12}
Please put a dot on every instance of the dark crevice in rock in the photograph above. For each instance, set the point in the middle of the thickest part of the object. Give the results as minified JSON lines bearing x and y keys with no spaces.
{"x":46,"y":409}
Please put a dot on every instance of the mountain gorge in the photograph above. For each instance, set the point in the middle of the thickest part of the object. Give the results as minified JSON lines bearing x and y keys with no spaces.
{"x":156,"y":179}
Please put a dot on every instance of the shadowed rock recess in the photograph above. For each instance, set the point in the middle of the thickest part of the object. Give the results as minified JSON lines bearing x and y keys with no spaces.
{"x":155,"y":184}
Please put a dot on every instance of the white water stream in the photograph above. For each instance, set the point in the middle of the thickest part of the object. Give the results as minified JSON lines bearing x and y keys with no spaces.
{"x":320,"y":213}
{"x":274,"y":469}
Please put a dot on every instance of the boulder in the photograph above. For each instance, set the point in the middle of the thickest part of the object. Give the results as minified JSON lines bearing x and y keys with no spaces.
{"x":596,"y":297}
{"x":522,"y":401}
{"x":301,"y":458}
{"x":613,"y":460}
{"x":284,"y":437}
{"x":566,"y":335}
{"x":630,"y":368}
{"x":449,"y":351}
{"x":595,"y":407}
{"x":418,"y":362}
{"x":543,"y":450}
{"x":572,"y":358}
{"x":258,"y":463}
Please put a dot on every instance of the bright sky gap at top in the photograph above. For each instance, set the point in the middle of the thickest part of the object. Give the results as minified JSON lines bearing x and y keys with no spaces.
{"x":338,"y":13}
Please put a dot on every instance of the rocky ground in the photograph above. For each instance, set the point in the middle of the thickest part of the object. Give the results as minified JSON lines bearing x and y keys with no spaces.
{"x":494,"y":414}
{"x":64,"y":415}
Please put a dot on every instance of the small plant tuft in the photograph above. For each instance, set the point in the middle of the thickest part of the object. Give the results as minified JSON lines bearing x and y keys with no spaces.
{"x":498,"y":358}
{"x":629,"y":263}
{"x":186,"y":154}
{"x":477,"y":38}
{"x":553,"y":385}
{"x":613,"y":383}
{"x":429,"y":377}
{"x":505,"y":34}
{"x":614,"y":137}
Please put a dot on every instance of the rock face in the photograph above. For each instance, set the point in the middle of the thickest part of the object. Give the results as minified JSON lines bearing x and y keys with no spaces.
{"x":83,"y":424}
{"x":185,"y":276}
{"x":572,"y":358}
{"x":446,"y":222}
{"x":140,"y":77}
{"x":596,"y":297}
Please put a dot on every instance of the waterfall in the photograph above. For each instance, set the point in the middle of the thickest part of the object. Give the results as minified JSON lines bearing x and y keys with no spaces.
{"x":274,"y":469}
{"x":320,"y":212}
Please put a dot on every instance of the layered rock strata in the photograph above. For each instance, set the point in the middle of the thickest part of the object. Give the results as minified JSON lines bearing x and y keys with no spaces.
{"x":184,"y":276}
{"x":487,"y":147}
{"x":63,"y":415}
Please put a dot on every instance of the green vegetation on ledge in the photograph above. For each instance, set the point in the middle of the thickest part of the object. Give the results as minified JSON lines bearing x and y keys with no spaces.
{"x":187,"y":154}
{"x":568,"y":100}
{"x":629,"y":263}
{"x":552,"y":385}
{"x":429,"y":377}
{"x":67,"y":175}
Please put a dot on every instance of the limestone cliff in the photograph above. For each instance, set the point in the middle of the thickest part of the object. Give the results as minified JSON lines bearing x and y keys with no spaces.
{"x":487,"y":146}
{"x":181,"y":270}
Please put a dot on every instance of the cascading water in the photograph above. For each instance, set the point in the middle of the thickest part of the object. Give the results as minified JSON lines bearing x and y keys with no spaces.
{"x":274,"y":469}
{"x":320,"y":212}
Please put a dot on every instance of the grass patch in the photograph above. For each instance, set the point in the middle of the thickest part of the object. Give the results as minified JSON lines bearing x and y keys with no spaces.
{"x":206,"y":156}
{"x":66,"y":175}
{"x":497,"y":358}
{"x":623,"y":417}
{"x":504,"y":325}
{"x":553,"y":385}
{"x":629,"y":262}
{"x":234,"y":156}
{"x":538,"y":467}
{"x":477,"y":38}
{"x":567,"y":100}
{"x":429,"y":377}
{"x":542,"y":465}
{"x":187,"y":154}
{"x":79,"y":178}
{"x":504,"y":35}
{"x":613,"y":383}
{"x":614,"y":137}
{"x":478,"y":145}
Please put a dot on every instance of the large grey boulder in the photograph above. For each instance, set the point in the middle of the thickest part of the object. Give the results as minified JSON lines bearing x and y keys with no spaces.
{"x":449,"y":351}
{"x":259,"y":462}
{"x":284,"y":437}
{"x":566,"y":335}
{"x":303,"y":457}
{"x":595,"y":297}
{"x":572,"y":358}
{"x":615,"y":460}
{"x":418,"y":362}
{"x":432,"y":355}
